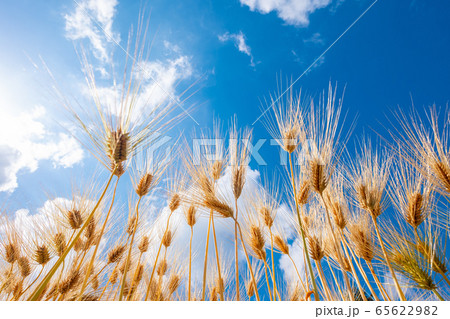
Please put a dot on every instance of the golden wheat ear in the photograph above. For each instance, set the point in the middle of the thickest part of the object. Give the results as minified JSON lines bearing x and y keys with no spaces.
{"x":411,"y":193}
{"x":360,"y":232}
{"x":408,"y":260}
{"x":284,"y":118}
{"x":115,"y":254}
{"x":426,"y":150}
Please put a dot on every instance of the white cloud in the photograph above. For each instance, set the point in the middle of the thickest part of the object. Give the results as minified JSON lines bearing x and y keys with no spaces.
{"x":30,"y":226}
{"x":239,"y":42}
{"x":161,"y":78}
{"x":289,"y":271}
{"x":316,"y":38}
{"x":294,"y":12}
{"x":25,"y":142}
{"x":90,"y":20}
{"x":25,"y":222}
{"x":224,"y":231}
{"x":159,"y":82}
{"x":319,"y":63}
{"x":8,"y":171}
{"x":171,"y":47}
{"x":301,"y":60}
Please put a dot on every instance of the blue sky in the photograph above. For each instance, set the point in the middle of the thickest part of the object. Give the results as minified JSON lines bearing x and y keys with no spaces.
{"x":398,"y":48}
{"x":234,"y":51}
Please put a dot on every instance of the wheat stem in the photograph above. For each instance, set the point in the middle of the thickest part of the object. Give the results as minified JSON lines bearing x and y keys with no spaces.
{"x":275,"y":292}
{"x":335,"y":279}
{"x":205,"y":263}
{"x":217,"y":259}
{"x":267,"y":282}
{"x":302,"y":232}
{"x":273,"y":263}
{"x":80,"y":263}
{"x":159,"y":289}
{"x":323,"y":280}
{"x":236,"y":256}
{"x":304,"y":262}
{"x":91,"y":263}
{"x":107,"y":283}
{"x":443,"y":276}
{"x":248,"y":259}
{"x":377,"y":281}
{"x":40,"y":273}
{"x":127,"y":261}
{"x":99,"y":272}
{"x":298,"y":274}
{"x":190,"y":263}
{"x":350,"y":259}
{"x":386,"y":257}
{"x":156,"y":259}
{"x":438,"y":295}
{"x":361,"y":270}
{"x":338,"y":249}
{"x":37,"y":292}
{"x":136,"y":271}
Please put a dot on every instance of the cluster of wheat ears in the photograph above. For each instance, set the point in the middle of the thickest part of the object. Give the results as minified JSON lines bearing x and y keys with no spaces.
{"x":341,"y":246}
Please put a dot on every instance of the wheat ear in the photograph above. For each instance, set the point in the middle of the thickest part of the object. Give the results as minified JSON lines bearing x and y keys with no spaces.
{"x":38,"y":291}
{"x":91,"y":263}
{"x":156,"y":259}
{"x":302,"y":233}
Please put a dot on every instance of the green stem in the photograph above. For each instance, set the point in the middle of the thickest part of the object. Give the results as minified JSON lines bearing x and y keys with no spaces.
{"x":273,"y":264}
{"x":308,"y":261}
{"x":304,"y":262}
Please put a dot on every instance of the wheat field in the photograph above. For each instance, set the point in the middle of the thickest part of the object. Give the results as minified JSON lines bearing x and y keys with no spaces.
{"x":364,"y":224}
